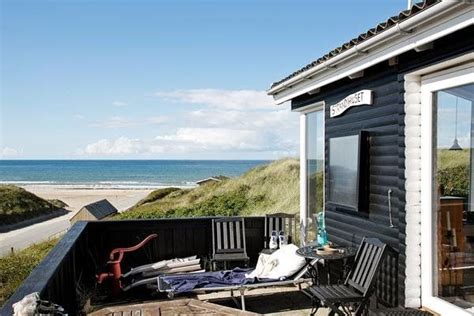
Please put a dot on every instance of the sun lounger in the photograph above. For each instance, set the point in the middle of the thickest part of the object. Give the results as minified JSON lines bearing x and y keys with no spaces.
{"x":163,"y":266}
{"x":297,"y":279}
{"x":147,"y":273}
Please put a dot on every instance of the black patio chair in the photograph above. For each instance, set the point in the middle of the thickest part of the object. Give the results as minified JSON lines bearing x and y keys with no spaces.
{"x":279,"y":221}
{"x":356,"y":291}
{"x":228,"y":241}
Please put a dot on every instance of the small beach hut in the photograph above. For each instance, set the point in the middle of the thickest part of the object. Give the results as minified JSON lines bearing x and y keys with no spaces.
{"x":94,"y":212}
{"x":387,"y":150}
{"x":211,"y":179}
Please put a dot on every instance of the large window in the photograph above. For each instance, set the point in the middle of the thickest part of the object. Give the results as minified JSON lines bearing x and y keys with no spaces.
{"x":453,"y":183}
{"x":315,"y":168}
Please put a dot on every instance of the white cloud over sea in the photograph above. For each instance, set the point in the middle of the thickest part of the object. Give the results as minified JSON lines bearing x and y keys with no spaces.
{"x":119,"y":146}
{"x":9,"y":152}
{"x":219,"y":121}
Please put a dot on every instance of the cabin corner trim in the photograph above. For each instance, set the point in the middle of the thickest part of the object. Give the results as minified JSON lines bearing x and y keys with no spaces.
{"x":412,"y":86}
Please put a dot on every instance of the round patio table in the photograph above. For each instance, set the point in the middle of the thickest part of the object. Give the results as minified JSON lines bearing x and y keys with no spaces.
{"x":344,"y":254}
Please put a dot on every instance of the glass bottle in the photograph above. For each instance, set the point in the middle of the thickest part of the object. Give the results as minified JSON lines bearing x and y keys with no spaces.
{"x":322,"y":234}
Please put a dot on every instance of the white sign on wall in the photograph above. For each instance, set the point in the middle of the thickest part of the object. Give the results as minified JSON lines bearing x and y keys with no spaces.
{"x":362,"y":97}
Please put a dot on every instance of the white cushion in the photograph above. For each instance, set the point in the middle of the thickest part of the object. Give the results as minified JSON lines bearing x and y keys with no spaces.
{"x":280,"y":265}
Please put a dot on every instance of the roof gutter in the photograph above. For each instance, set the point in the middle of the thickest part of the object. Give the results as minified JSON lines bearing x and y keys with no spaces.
{"x":397,"y":30}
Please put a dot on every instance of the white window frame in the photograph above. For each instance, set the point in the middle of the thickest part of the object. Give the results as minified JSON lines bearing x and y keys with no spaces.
{"x":304,"y":111}
{"x":446,"y":79}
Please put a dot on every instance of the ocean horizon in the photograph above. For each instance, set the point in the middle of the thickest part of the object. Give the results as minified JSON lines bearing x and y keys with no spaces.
{"x":119,"y":174}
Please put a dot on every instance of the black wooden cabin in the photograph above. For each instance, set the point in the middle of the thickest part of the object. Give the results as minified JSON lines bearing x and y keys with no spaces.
{"x":426,"y":41}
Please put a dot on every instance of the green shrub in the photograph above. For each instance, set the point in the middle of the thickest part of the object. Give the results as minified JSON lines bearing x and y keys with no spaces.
{"x":15,"y":268}
{"x":454,"y":181}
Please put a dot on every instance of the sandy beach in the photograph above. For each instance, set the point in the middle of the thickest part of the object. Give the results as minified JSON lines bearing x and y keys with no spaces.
{"x":76,"y":198}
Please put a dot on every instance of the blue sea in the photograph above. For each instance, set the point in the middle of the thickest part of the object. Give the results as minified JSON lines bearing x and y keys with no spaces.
{"x":96,"y":174}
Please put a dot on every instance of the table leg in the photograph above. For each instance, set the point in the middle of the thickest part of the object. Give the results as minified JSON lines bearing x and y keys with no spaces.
{"x":313,"y":271}
{"x":329,"y":272}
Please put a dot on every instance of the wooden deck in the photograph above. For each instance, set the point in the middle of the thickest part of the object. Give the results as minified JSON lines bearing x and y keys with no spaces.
{"x":281,"y":301}
{"x":175,"y":307}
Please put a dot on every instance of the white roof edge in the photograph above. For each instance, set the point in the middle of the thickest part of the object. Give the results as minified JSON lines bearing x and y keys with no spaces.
{"x":207,"y":179}
{"x":429,"y":25}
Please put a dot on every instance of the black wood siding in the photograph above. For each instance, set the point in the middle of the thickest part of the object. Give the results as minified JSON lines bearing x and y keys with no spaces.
{"x":385,"y":122}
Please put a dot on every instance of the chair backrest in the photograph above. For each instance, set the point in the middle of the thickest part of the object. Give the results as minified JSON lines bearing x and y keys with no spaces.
{"x":367,"y":262}
{"x":228,"y":235}
{"x":279,"y":221}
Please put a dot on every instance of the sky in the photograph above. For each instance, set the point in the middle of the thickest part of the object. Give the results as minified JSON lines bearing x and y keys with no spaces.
{"x":139,"y":79}
{"x":451,"y":122}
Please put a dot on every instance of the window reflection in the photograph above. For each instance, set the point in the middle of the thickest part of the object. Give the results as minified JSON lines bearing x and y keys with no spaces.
{"x":315,"y":167}
{"x":454,"y":178}
{"x":343,"y":168}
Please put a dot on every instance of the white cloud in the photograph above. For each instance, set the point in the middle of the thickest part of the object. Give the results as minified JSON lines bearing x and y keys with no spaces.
{"x":226,"y":121}
{"x":114,"y":122}
{"x":224,"y":99}
{"x":119,"y":103}
{"x":79,"y":116}
{"x":8,"y":152}
{"x":194,"y":140}
{"x":120,"y":146}
{"x":158,"y":119}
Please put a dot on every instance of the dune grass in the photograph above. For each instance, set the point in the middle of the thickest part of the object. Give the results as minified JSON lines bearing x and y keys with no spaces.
{"x":453,"y":158}
{"x":17,"y":204}
{"x":264,"y":189}
{"x":453,"y":172}
{"x":16,"y":267}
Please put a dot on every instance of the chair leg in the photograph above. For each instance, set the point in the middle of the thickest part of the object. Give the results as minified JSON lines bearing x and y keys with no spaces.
{"x":242,"y":298}
{"x":316,"y":304}
{"x":361,"y":308}
{"x":335,"y":310}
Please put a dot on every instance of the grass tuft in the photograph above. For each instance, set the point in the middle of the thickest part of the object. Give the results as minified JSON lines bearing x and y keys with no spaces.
{"x":16,"y":267}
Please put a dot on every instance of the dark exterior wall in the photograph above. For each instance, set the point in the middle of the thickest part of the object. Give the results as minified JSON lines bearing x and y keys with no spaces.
{"x":385,"y":122}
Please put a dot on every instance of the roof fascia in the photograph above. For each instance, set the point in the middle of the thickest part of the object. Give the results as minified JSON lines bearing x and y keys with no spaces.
{"x":450,"y":17}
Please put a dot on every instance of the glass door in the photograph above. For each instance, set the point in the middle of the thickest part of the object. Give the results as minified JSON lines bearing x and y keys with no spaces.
{"x":447,"y":190}
{"x":453,"y":193}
